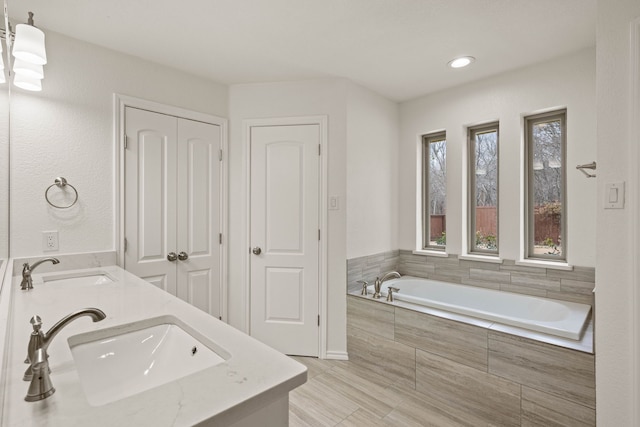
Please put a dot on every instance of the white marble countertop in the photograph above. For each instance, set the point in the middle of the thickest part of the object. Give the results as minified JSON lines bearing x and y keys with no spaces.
{"x":251,"y":378}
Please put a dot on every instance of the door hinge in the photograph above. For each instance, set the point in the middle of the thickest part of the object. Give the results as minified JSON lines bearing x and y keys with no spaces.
{"x":318,"y":320}
{"x":220,"y":317}
{"x":220,"y":238}
{"x":318,"y":234}
{"x":319,"y":150}
{"x":125,"y":244}
{"x":220,"y":155}
{"x":126,"y":142}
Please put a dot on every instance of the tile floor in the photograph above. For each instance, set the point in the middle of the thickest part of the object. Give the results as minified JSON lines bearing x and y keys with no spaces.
{"x":340,"y":393}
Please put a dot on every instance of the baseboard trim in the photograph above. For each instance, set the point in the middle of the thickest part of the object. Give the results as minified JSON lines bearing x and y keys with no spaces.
{"x":337,"y":355}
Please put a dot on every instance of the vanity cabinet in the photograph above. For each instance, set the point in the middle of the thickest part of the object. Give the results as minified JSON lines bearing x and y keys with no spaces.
{"x":172,"y":205}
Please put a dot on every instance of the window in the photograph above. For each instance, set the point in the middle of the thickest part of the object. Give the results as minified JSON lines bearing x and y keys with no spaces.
{"x":434,"y":201}
{"x":483,"y":189}
{"x":545,"y":140}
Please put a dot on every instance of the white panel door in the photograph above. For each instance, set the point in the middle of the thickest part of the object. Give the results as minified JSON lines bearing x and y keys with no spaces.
{"x":198,"y":215}
{"x":285,"y":166}
{"x":150,"y":196}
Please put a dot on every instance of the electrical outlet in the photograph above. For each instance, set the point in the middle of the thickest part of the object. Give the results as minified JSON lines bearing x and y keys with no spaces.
{"x":49,"y":241}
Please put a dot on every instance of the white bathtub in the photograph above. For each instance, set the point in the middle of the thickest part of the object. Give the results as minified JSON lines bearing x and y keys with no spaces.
{"x":560,"y":318}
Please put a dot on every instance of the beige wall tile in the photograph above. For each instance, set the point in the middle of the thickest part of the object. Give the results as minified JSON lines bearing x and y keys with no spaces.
{"x":456,"y":341}
{"x":382,"y":356}
{"x":370,"y":316}
{"x":488,"y":399}
{"x":579,"y":298}
{"x":487,"y":284}
{"x":544,"y":410}
{"x":562,"y":372}
{"x":465,"y":263}
{"x":526,"y":290}
{"x":577,"y":286}
{"x":587,"y":274}
{"x":496,"y":276}
{"x":535,"y":281}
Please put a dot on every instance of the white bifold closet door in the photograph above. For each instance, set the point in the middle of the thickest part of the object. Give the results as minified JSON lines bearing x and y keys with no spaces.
{"x":172,"y":205}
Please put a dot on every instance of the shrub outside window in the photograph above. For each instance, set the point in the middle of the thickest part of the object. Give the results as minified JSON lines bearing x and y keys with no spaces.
{"x":545,"y":140}
{"x":483,"y":189}
{"x":434,"y":207}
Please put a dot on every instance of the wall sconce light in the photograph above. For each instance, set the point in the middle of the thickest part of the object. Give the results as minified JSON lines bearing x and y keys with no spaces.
{"x":30,"y":55}
{"x":29,"y":43}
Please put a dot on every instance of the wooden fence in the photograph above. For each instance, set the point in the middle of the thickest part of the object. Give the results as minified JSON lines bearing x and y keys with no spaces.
{"x":546,"y":226}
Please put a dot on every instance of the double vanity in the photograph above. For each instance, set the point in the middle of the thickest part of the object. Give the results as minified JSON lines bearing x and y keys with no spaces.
{"x":153,"y":360}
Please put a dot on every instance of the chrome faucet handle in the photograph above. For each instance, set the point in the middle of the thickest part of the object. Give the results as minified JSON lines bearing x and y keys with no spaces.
{"x":26,"y":277}
{"x":36,"y":323}
{"x":41,"y":386}
{"x":390,"y":292}
{"x":36,"y":341}
{"x":364,"y":286}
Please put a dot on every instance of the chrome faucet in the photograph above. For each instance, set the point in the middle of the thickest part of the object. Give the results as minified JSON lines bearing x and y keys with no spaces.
{"x":379,"y":280}
{"x":364,"y":284}
{"x":37,"y":356}
{"x":390,"y":291}
{"x":27,"y":282}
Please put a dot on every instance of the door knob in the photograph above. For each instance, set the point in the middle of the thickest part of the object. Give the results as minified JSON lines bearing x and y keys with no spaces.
{"x":171,"y":256}
{"x":256,"y":250}
{"x":183,"y":256}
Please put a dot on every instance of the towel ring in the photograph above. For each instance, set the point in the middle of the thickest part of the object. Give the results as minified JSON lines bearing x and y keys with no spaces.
{"x":60,"y":182}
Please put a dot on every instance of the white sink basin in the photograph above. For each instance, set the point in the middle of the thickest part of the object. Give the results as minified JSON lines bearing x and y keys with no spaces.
{"x":122,"y":361}
{"x":80,"y":278}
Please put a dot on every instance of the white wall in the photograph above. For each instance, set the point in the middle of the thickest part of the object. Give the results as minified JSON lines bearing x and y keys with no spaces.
{"x":67,"y":130}
{"x":4,"y":169}
{"x":617,"y":381}
{"x":567,"y":82}
{"x":287,"y":99}
{"x":372,"y":173}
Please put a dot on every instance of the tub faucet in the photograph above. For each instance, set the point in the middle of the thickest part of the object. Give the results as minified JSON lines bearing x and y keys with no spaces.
{"x":379,"y":280}
{"x":40,"y":341}
{"x":390,"y":291}
{"x":364,"y":284}
{"x":27,"y":282}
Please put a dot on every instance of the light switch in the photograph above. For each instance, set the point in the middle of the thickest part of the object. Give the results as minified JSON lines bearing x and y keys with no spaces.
{"x":614,"y":195}
{"x":334,"y":203}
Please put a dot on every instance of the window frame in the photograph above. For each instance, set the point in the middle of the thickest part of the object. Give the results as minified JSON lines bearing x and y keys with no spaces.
{"x":471,"y":200}
{"x":426,"y":201}
{"x":529,"y":238}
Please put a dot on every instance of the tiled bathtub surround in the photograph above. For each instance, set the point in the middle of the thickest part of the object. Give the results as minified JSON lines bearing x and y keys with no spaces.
{"x":472,"y":375}
{"x":576,"y":285}
{"x":369,"y":267}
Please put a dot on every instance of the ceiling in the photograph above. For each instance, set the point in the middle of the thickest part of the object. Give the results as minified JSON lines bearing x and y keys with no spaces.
{"x":398,"y":48}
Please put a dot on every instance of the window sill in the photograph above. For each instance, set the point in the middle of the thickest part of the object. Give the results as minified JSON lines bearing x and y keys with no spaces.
{"x":425,"y":252}
{"x":545,"y":264}
{"x":481,"y":258}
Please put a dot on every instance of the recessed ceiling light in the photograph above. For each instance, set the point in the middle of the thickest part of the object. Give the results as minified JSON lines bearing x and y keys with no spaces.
{"x":461,"y":62}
